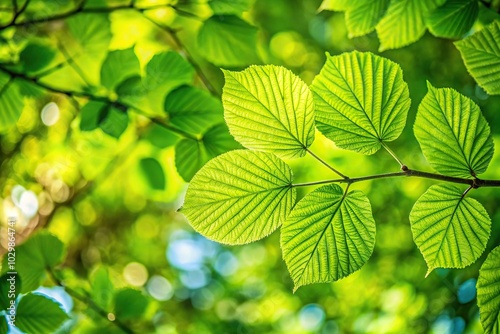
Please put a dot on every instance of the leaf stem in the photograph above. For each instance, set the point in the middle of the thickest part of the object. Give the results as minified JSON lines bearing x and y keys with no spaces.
{"x":89,"y":302}
{"x":401,"y":164}
{"x":473,"y":183}
{"x":327,"y":164}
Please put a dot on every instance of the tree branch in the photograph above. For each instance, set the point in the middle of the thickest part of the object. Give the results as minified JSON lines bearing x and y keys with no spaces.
{"x":473,"y":183}
{"x":89,"y":302}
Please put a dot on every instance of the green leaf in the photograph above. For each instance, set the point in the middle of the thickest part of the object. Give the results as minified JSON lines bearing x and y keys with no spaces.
{"x":102,"y":288}
{"x":100,"y":114}
{"x":38,"y":314}
{"x":115,"y":122}
{"x":268,"y":108}
{"x":488,"y":293}
{"x":240,"y":197}
{"x":328,"y":235}
{"x":41,"y":251}
{"x":118,"y":66}
{"x":153,"y":171}
{"x":35,"y":57}
{"x":193,"y":110}
{"x":227,"y":40}
{"x":235,"y":7}
{"x":130,"y":304}
{"x":361,"y":101}
{"x":481,"y":55}
{"x":453,"y":134}
{"x":10,"y":286}
{"x":191,"y":154}
{"x":363,"y":16}
{"x":453,"y":19}
{"x":92,"y":31}
{"x":161,"y":137}
{"x":403,"y":23}
{"x":167,"y":70}
{"x":450,"y":230}
{"x":11,"y":102}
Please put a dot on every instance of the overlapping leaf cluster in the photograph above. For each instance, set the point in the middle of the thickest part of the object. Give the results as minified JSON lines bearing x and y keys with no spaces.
{"x":360,"y":101}
{"x":399,"y":23}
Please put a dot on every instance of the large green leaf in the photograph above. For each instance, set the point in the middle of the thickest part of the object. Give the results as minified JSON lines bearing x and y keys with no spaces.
{"x":453,"y":134}
{"x":268,"y":108}
{"x":11,"y":102}
{"x":193,"y":110}
{"x":227,"y":40}
{"x":404,"y":23}
{"x":191,"y":154}
{"x":481,"y":54}
{"x":328,"y":235}
{"x":488,"y":293}
{"x":453,"y":19}
{"x":363,"y":16}
{"x":240,"y":196}
{"x":118,"y":66}
{"x":41,"y":251}
{"x":37,"y":314}
{"x":361,"y":101}
{"x":450,"y":230}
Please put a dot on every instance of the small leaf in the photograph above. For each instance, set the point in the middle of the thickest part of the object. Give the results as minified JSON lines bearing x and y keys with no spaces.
{"x":328,"y":235}
{"x":193,"y":110}
{"x":481,"y":55}
{"x":115,"y":122}
{"x":361,"y":101}
{"x":153,"y":171}
{"x":227,"y":40}
{"x":100,"y":114}
{"x":240,"y":197}
{"x":403,"y":23}
{"x":38,"y":314}
{"x":102,"y":288}
{"x":488,"y":293}
{"x":35,"y":57}
{"x":130,"y":304}
{"x":450,"y":230}
{"x":118,"y":66}
{"x":41,"y":251}
{"x":453,"y":19}
{"x":191,"y":154}
{"x":363,"y":16}
{"x":11,"y":102}
{"x":453,"y":134}
{"x":161,"y":137}
{"x":268,"y":108}
{"x":167,"y":70}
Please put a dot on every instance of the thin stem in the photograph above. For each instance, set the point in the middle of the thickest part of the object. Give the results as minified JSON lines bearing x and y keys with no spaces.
{"x":401,"y":164}
{"x":327,"y":164}
{"x":473,"y":183}
{"x":89,"y":302}
{"x":119,"y":104}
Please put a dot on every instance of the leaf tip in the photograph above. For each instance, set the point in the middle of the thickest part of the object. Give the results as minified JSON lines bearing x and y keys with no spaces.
{"x":429,"y":270}
{"x":429,"y":85}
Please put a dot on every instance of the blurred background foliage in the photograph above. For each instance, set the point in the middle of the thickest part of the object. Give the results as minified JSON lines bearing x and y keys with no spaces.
{"x":111,"y":194}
